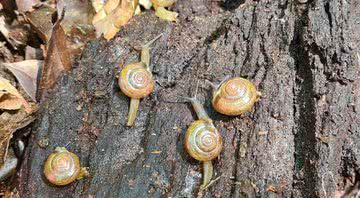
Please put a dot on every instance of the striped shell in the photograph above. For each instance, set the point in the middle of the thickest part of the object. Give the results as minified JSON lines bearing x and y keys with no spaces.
{"x":202,"y":141}
{"x":136,"y":81}
{"x":62,"y":167}
{"x":235,"y":96}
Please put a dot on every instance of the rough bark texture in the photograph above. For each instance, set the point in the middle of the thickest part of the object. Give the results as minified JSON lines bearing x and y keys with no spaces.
{"x":301,"y":140}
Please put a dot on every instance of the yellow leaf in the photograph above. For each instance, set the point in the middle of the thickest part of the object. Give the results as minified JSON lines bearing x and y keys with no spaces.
{"x":10,"y":98}
{"x":163,"y":3}
{"x":165,"y":14}
{"x":112,"y":16}
{"x":145,"y":3}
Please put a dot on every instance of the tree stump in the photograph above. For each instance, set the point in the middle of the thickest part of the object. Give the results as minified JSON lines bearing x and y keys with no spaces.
{"x":301,"y":140}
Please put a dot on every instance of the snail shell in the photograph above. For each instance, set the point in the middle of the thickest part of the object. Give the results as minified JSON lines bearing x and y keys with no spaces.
{"x":235,"y":96}
{"x":62,"y":167}
{"x":136,"y":81}
{"x":202,"y":141}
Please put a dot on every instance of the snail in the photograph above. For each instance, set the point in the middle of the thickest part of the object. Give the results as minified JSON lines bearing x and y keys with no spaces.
{"x":63,"y":167}
{"x":136,"y":81}
{"x":234,"y":96}
{"x":203,"y":142}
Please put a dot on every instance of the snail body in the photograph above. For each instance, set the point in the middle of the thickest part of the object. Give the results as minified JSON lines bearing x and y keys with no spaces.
{"x":63,"y":167}
{"x":136,"y":81}
{"x":203,"y":142}
{"x":235,"y":96}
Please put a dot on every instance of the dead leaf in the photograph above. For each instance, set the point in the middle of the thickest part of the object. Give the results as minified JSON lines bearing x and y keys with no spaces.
{"x":165,"y":14}
{"x":57,"y":59}
{"x":26,"y":5}
{"x":10,"y":98}
{"x":40,"y":20}
{"x":77,"y":24}
{"x":9,"y":123}
{"x":7,"y":55}
{"x":97,"y":5}
{"x":112,"y":16}
{"x":4,"y":29}
{"x":33,"y":53}
{"x":26,"y":73}
{"x":77,"y":14}
{"x":146,"y":4}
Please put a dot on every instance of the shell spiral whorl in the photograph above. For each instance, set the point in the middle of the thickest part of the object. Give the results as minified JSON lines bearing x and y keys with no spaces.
{"x":62,"y":167}
{"x":136,"y":81}
{"x":235,"y":96}
{"x":202,"y":141}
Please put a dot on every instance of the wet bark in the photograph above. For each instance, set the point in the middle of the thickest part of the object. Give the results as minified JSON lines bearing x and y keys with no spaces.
{"x":301,"y":140}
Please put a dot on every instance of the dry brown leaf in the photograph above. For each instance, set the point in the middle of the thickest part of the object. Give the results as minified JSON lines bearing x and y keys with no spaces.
{"x":9,"y":123}
{"x":77,"y":24}
{"x":112,"y":16}
{"x":26,"y":73}
{"x":78,"y":14}
{"x":11,"y":99}
{"x":40,"y":20}
{"x":26,"y":5}
{"x":57,"y":59}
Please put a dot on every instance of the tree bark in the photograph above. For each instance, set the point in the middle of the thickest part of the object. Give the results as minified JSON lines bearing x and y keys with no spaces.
{"x":301,"y":140}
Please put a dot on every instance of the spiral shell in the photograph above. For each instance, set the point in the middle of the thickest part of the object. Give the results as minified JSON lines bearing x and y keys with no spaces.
{"x":202,"y":141}
{"x":235,"y":96}
{"x":136,"y":81}
{"x":163,"y":3}
{"x":62,"y":167}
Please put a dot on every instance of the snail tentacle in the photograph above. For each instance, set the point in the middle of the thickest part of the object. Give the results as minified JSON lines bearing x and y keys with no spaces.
{"x":198,"y":107}
{"x":83,"y":173}
{"x":207,"y":174}
{"x":134,"y":106}
{"x":216,"y":86}
{"x":145,"y":52}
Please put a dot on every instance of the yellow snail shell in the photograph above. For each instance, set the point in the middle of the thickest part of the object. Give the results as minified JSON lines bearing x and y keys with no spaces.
{"x":63,"y":167}
{"x":202,"y":141}
{"x":235,"y":96}
{"x":136,"y":81}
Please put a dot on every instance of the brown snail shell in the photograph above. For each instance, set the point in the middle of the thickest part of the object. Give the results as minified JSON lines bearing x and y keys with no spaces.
{"x":235,"y":96}
{"x":202,"y":141}
{"x":63,"y":167}
{"x":136,"y":81}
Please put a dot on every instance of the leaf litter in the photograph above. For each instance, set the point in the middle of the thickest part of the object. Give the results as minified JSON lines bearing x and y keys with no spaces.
{"x":41,"y":40}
